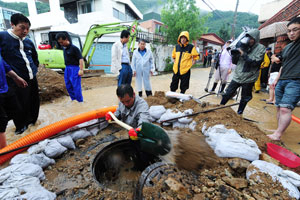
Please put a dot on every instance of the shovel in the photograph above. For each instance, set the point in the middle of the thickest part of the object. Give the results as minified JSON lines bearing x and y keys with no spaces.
{"x":153,"y":139}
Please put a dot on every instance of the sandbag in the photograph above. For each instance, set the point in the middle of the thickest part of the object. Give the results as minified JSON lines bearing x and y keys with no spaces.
{"x":28,"y":169}
{"x":231,"y":147}
{"x":67,"y":142}
{"x":7,"y":192}
{"x":39,"y":194}
{"x":193,"y":125}
{"x":169,"y":114}
{"x":37,"y":159}
{"x":157,"y":111}
{"x":80,"y":134}
{"x":23,"y":182}
{"x":38,"y":148}
{"x":54,"y":149}
{"x":275,"y":172}
{"x":181,"y":97}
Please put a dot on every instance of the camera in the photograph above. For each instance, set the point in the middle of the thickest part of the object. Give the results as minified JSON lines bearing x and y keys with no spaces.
{"x":242,"y":42}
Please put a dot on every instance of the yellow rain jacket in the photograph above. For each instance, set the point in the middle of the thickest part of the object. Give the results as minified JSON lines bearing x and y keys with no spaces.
{"x":184,"y":55}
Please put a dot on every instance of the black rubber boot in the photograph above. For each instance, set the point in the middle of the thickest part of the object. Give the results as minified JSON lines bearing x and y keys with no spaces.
{"x":214,"y":87}
{"x":141,"y":93}
{"x":148,"y":93}
{"x":242,"y":107}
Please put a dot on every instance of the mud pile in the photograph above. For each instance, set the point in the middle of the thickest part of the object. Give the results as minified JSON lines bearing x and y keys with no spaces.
{"x":198,"y":173}
{"x":52,"y":84}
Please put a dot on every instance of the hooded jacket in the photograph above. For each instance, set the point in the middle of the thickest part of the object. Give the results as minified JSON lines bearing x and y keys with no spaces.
{"x":184,"y":55}
{"x":248,"y":65}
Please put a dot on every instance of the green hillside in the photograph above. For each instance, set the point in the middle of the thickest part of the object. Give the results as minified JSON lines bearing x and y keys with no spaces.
{"x":215,"y":22}
{"x":22,"y":7}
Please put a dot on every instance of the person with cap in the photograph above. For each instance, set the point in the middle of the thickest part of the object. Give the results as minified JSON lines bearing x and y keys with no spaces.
{"x":224,"y":67}
{"x":185,"y":56}
{"x":247,"y":70}
{"x":262,"y":79}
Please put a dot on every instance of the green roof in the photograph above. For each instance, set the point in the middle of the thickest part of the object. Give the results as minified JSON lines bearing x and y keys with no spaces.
{"x":151,"y":15}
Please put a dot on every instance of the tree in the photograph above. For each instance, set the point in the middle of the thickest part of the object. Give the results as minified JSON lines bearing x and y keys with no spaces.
{"x":224,"y":32}
{"x":182,"y":15}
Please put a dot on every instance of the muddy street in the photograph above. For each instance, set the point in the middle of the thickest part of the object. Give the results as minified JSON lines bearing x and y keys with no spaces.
{"x":100,"y":93}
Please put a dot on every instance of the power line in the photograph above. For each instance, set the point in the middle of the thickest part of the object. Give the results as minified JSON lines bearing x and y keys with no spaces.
{"x":212,"y":9}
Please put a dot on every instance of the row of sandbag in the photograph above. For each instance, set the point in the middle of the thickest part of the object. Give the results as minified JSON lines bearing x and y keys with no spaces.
{"x":227,"y":143}
{"x":159,"y":113}
{"x":21,"y":179}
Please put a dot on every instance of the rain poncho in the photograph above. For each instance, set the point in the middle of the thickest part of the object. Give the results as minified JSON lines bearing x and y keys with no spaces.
{"x":142,"y":65}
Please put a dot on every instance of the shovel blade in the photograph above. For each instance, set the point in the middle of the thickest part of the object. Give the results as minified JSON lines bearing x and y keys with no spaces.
{"x":154,"y":139}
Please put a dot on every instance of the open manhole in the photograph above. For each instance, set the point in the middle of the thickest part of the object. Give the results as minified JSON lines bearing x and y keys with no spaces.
{"x":119,"y":165}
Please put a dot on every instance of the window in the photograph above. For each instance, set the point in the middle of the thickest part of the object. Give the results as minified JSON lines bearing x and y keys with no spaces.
{"x":44,"y":38}
{"x":119,"y":15}
{"x":85,"y":6}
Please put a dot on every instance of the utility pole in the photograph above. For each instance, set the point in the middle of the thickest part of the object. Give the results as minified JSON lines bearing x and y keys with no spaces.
{"x":234,"y":20}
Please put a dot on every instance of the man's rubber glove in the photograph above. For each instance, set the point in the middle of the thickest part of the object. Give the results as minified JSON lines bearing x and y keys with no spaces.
{"x":108,"y":117}
{"x":133,"y":133}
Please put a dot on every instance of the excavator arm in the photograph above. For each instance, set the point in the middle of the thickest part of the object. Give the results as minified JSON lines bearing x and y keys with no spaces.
{"x":97,"y":31}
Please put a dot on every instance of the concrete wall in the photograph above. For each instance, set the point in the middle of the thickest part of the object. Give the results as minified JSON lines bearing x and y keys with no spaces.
{"x":160,"y":54}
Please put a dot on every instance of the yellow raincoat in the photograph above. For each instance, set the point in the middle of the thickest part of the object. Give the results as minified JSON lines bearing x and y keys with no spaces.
{"x":184,"y":55}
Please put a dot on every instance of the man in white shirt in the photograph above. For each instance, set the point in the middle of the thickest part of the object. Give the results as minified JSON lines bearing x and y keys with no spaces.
{"x":120,"y":61}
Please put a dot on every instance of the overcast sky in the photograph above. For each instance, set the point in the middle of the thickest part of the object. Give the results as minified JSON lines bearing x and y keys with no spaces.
{"x":225,"y":5}
{"x":252,"y":6}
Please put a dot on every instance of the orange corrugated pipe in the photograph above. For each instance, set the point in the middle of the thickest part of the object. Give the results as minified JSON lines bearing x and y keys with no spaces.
{"x":51,"y":130}
{"x":296,"y":119}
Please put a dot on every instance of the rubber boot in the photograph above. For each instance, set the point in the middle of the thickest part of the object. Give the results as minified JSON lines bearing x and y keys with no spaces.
{"x":242,"y":107}
{"x":149,"y":93}
{"x":141,"y":93}
{"x":213,"y":88}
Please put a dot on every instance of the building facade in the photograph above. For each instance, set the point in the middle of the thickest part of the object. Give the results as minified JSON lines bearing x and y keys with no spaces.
{"x":77,"y":16}
{"x":5,"y":15}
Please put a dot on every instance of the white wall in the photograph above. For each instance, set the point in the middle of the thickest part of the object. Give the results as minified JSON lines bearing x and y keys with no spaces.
{"x":160,"y":54}
{"x":268,"y":10}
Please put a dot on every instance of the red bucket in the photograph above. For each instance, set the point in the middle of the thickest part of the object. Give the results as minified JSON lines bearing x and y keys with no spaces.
{"x":283,"y":155}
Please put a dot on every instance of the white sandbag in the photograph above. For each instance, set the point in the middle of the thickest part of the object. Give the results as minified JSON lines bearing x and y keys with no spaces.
{"x":151,"y":119}
{"x":274,"y":171}
{"x":293,"y":190}
{"x":188,"y":112}
{"x":3,"y":176}
{"x":39,"y":194}
{"x":214,"y":137}
{"x":186,"y":120}
{"x":192,"y":125}
{"x":38,"y":159}
{"x":23,"y":182}
{"x":291,"y":174}
{"x":38,"y":148}
{"x":94,"y":130}
{"x":157,"y":111}
{"x":28,"y":169}
{"x":232,"y":147}
{"x":169,"y":114}
{"x":182,"y":97}
{"x":179,"y":125}
{"x":67,"y":142}
{"x":80,"y":134}
{"x":293,"y":181}
{"x":7,"y":192}
{"x":87,"y":123}
{"x":54,"y":149}
{"x":266,"y":167}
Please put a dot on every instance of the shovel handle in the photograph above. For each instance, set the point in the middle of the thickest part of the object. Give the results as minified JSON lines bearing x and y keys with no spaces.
{"x":117,"y":121}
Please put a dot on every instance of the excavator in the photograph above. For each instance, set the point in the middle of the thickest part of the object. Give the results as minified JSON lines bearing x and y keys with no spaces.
{"x":51,"y":54}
